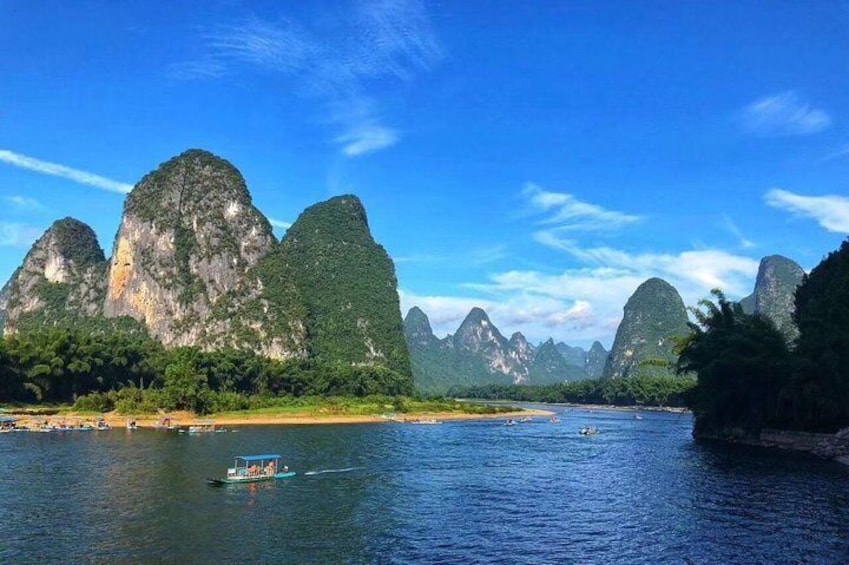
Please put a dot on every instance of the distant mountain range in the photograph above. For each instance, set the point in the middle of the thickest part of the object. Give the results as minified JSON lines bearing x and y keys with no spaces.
{"x":478,"y":354}
{"x":653,"y":319}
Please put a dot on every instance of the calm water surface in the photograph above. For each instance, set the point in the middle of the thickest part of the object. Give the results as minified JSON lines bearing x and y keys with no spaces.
{"x":474,"y":492}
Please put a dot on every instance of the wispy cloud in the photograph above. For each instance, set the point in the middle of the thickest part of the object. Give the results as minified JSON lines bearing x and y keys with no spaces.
{"x":841,"y":153}
{"x":830,"y":211}
{"x":783,"y":114}
{"x":23,"y":203}
{"x":18,"y":235}
{"x":583,"y":304}
{"x":367,"y":140}
{"x":56,"y":170}
{"x":735,"y":231}
{"x":279,"y":223}
{"x":568,"y":213}
{"x":377,"y":41}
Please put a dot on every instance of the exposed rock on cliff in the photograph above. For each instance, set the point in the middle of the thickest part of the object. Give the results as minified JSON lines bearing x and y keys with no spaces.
{"x":478,"y":337}
{"x":188,"y":237}
{"x":62,"y":277}
{"x":775,"y":292}
{"x":194,"y":263}
{"x":596,"y":360}
{"x":653,"y":317}
{"x":478,"y":355}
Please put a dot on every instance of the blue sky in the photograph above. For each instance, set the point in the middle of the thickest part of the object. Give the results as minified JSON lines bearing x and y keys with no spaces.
{"x":538,"y":159}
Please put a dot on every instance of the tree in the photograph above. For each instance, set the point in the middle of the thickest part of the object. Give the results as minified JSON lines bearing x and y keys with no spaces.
{"x":741,"y":362}
{"x":819,"y":396}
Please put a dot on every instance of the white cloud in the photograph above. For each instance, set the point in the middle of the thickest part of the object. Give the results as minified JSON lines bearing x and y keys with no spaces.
{"x":584,"y":304}
{"x":831,"y":211}
{"x":336,"y":64}
{"x":56,"y":170}
{"x":23,"y":202}
{"x":783,"y":114}
{"x":367,"y":140}
{"x":735,"y":231}
{"x":18,"y":235}
{"x":571,"y":214}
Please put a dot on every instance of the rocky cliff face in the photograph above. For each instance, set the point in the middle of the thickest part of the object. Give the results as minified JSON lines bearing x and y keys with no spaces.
{"x":188,"y":237}
{"x":522,"y":353}
{"x":61,"y":277}
{"x":596,"y":360}
{"x":477,"y":336}
{"x":417,"y":330}
{"x":653,"y":316}
{"x":196,"y":264}
{"x":775,"y":292}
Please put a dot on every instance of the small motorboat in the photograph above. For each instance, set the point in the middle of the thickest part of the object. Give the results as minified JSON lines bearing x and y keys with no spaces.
{"x":253,"y":469}
{"x":588,"y":431}
{"x":510,"y":422}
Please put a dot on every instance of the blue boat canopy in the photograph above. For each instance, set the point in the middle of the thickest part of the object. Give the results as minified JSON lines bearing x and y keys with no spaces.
{"x":258,"y":457}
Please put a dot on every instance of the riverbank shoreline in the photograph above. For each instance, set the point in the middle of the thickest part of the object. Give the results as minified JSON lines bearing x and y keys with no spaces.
{"x":114,"y":420}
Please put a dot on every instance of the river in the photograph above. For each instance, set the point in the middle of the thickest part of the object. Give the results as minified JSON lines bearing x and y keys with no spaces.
{"x":641,"y":491}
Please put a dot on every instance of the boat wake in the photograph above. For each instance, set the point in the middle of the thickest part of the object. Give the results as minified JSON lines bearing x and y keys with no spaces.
{"x":323,"y":471}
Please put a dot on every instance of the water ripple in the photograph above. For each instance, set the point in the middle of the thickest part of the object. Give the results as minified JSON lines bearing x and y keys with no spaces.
{"x":472,"y":492}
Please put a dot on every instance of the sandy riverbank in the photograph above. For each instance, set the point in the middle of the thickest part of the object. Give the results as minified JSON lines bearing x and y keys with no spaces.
{"x":183,"y":419}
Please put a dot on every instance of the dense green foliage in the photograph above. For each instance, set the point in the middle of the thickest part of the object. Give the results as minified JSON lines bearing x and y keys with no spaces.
{"x":742,"y":363}
{"x":635,"y":391}
{"x":77,"y":242}
{"x":155,"y":199}
{"x":654,"y":317}
{"x":348,"y":286}
{"x":128,"y":371}
{"x":748,"y":378}
{"x":820,"y":387}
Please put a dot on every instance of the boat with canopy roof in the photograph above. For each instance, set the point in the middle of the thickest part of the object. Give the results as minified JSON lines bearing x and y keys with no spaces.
{"x":253,"y":469}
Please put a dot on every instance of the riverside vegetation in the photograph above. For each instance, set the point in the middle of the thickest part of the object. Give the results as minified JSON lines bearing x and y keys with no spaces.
{"x":750,"y":376}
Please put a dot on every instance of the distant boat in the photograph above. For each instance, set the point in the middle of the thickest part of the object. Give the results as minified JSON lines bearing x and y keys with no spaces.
{"x":637,"y":417}
{"x":254,"y":469}
{"x":131,"y":425}
{"x":425,"y":421}
{"x":554,"y":420}
{"x":588,"y":431}
{"x":510,"y":422}
{"x":206,"y":427}
{"x":165,"y":424}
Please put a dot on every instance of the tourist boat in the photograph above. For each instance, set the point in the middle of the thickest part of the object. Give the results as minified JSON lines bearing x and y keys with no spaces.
{"x":206,"y":427}
{"x":637,"y":417}
{"x":426,"y":421}
{"x":131,"y":425}
{"x":510,"y":422}
{"x":588,"y":431}
{"x":554,"y":420}
{"x":165,"y":424}
{"x":253,"y":469}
